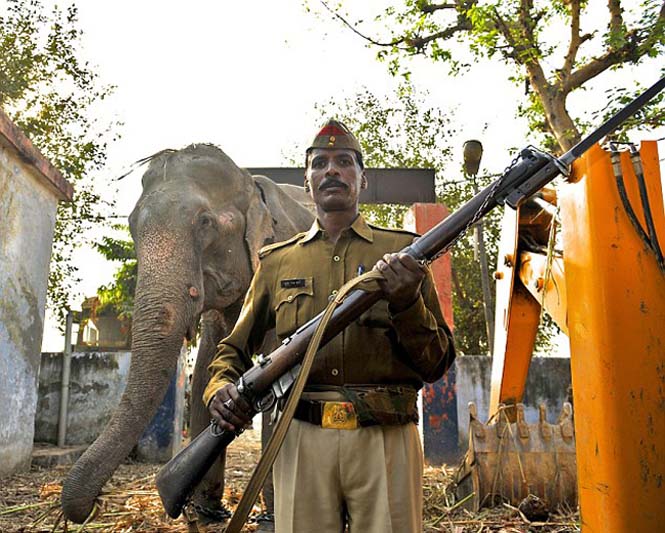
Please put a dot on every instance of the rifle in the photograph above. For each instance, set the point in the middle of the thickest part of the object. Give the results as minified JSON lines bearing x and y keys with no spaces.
{"x":270,"y":379}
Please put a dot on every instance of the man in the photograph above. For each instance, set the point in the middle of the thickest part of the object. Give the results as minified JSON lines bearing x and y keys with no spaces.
{"x":352,"y":454}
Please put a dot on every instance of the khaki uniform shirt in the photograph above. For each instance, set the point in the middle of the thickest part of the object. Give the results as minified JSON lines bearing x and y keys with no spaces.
{"x":294,"y":282}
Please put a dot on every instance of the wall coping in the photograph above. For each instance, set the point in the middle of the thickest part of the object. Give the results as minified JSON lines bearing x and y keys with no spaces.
{"x":13,"y":135}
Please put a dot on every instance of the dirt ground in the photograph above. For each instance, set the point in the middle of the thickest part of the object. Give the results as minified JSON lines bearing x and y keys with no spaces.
{"x":29,"y":502}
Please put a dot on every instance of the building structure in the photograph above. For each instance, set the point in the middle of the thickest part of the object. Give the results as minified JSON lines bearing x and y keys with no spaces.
{"x":30,"y":189}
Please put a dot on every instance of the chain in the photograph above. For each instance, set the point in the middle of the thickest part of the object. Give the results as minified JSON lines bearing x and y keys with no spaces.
{"x":479,"y":212}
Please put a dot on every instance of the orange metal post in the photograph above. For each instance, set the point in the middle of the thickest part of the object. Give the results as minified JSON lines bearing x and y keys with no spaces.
{"x":616,"y":318}
{"x":515,"y":322}
{"x":533,"y":273}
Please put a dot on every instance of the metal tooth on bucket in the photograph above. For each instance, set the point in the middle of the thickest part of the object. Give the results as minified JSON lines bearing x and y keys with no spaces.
{"x":506,"y":461}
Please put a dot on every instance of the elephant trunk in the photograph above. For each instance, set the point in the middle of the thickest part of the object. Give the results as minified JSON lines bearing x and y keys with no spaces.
{"x":158,"y":330}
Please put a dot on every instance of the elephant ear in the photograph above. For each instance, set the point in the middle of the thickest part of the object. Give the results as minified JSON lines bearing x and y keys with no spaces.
{"x":259,"y":229}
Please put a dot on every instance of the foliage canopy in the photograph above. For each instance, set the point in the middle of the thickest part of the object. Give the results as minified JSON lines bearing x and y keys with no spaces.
{"x":553,"y":48}
{"x":117,"y":297}
{"x":49,"y":91}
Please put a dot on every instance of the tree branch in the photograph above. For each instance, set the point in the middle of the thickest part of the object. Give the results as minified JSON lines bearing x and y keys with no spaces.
{"x":616,"y":17}
{"x":508,"y":36}
{"x":420,"y":42}
{"x":575,"y":39}
{"x":463,"y":24}
{"x":394,"y":42}
{"x":637,"y":43}
{"x":590,"y":70}
{"x":431,"y":8}
{"x":526,"y":26}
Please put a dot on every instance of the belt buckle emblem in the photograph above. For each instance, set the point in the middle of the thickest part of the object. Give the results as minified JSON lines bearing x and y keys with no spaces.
{"x":339,"y":415}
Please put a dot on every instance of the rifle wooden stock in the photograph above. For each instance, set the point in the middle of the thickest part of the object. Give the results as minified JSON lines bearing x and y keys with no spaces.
{"x":529,"y":173}
{"x":177,"y":479}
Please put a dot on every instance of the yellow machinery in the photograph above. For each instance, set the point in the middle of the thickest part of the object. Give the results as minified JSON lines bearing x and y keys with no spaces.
{"x":607,"y":292}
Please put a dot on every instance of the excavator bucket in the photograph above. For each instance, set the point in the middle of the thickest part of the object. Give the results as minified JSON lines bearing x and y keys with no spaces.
{"x":506,"y":462}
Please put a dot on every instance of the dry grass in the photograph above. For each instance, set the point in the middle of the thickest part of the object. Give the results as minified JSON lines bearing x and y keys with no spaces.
{"x":29,"y":502}
{"x":442,"y":514}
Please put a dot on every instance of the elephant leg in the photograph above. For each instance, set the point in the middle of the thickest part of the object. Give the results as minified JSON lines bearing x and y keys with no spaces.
{"x":207,"y":497}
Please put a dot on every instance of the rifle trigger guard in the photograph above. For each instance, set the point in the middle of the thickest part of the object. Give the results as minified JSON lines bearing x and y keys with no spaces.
{"x":265,"y":402}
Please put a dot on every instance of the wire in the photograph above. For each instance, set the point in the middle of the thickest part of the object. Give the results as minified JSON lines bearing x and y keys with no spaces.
{"x":621,"y":186}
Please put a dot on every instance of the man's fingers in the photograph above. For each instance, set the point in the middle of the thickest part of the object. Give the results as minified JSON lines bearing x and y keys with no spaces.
{"x":236,"y":408}
{"x":229,"y":409}
{"x":412,"y":263}
{"x":232,"y":417}
{"x":239,"y":401}
{"x":384,"y":266}
{"x":405,"y":261}
{"x":218,"y":415}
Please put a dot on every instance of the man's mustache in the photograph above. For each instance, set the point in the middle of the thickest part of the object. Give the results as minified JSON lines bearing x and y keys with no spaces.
{"x":330,"y":183}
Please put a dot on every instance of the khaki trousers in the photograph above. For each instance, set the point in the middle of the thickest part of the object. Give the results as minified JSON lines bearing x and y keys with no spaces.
{"x":370,"y":478}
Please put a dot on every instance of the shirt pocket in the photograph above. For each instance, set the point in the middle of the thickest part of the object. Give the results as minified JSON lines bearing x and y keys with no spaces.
{"x":293,"y":307}
{"x":377,"y":316}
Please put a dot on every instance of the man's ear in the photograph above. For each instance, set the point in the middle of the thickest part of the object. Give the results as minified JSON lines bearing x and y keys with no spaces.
{"x":363,"y":181}
{"x":306,"y":185}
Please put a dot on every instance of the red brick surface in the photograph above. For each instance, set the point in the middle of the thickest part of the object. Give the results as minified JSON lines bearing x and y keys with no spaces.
{"x":423,"y":217}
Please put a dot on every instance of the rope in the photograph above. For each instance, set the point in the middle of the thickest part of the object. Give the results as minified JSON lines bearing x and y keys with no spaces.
{"x":270,"y":454}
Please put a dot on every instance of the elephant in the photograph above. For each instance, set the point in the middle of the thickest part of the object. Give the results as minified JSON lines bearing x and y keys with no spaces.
{"x":197,"y":228}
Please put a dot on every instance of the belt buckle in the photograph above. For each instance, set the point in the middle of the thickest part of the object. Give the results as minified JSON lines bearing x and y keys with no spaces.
{"x":339,"y":415}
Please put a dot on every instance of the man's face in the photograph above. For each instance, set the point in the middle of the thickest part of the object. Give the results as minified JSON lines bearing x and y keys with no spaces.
{"x":335,"y":179}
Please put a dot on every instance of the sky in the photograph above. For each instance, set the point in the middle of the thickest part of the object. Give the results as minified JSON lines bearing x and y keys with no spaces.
{"x":246,"y":76}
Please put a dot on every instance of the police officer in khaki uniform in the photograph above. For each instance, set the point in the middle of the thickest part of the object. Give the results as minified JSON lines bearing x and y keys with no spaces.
{"x":352,"y":454}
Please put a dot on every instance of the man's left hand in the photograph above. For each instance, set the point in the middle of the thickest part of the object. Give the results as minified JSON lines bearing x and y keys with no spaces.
{"x":403,"y":276}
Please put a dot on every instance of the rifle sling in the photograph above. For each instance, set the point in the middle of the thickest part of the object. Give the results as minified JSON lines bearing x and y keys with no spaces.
{"x":270,"y":454}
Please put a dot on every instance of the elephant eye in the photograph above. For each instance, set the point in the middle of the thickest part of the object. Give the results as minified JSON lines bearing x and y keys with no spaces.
{"x":205,"y":221}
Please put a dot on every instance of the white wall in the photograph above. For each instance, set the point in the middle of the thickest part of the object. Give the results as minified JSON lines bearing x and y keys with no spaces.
{"x":27,"y":219}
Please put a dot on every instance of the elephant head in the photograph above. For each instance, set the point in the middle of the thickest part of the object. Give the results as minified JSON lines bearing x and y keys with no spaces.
{"x":197,"y":229}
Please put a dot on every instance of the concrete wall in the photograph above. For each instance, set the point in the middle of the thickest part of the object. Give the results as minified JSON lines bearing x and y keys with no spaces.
{"x":97,"y":382}
{"x":98,"y":379}
{"x":547,"y":383}
{"x":27,"y":218}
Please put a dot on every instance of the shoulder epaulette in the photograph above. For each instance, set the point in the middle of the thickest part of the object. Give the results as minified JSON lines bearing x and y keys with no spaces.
{"x":276,"y":245}
{"x":394,"y":230}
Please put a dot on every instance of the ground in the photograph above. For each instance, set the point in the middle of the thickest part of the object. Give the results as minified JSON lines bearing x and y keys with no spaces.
{"x":29,"y":502}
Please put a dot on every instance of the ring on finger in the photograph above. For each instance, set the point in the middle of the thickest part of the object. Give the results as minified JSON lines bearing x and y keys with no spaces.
{"x":228,"y":403}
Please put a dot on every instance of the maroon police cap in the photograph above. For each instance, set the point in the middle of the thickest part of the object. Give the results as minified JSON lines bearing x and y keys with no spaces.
{"x":335,"y":135}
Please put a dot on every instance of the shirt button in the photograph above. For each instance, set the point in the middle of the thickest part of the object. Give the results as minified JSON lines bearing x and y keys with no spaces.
{"x":334,"y":372}
{"x":290,"y":298}
{"x":336,"y":258}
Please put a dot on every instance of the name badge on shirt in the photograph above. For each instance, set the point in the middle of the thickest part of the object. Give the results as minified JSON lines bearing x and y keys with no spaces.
{"x":292,"y":283}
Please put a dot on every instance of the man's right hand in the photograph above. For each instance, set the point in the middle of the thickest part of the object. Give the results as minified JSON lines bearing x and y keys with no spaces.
{"x":229,"y":410}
